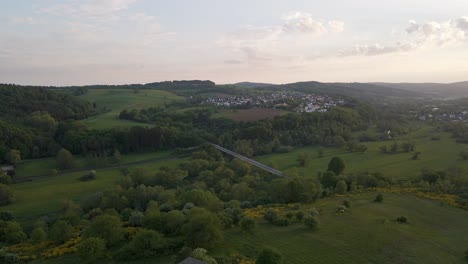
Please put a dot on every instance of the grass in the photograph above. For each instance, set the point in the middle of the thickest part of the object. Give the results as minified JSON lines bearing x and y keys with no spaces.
{"x":40,"y":167}
{"x":117,"y":100}
{"x":252,"y":114}
{"x":367,"y":233}
{"x":435,"y":155}
{"x":41,"y":197}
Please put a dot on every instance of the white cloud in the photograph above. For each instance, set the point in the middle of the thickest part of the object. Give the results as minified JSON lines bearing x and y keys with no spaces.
{"x":258,"y":44}
{"x":305,"y":23}
{"x":426,"y":35}
{"x":27,"y":20}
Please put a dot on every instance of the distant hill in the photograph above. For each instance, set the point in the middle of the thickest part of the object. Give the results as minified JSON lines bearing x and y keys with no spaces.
{"x":362,"y":91}
{"x":445,"y":90}
{"x":253,"y":85}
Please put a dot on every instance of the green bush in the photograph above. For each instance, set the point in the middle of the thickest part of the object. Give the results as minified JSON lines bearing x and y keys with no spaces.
{"x":299,"y":215}
{"x":247,"y":224}
{"x":281,"y":221}
{"x":92,"y":249}
{"x":269,"y":256}
{"x":311,"y":222}
{"x":270,"y":216}
{"x":402,"y":219}
{"x":379,"y":198}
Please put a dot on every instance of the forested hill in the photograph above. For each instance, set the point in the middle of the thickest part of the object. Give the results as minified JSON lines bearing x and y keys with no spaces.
{"x":19,"y":101}
{"x":362,"y":91}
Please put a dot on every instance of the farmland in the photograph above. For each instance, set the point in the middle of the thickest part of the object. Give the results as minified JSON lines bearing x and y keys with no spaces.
{"x":113,"y":101}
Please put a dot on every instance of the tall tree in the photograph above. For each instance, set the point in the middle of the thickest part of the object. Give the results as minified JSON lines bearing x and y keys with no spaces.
{"x":64,"y":159}
{"x":336,"y":165}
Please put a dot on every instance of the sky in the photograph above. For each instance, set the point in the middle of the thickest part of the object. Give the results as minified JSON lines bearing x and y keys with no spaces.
{"x":82,"y":42}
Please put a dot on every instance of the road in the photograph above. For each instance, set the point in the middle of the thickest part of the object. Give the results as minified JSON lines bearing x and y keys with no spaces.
{"x":251,"y":161}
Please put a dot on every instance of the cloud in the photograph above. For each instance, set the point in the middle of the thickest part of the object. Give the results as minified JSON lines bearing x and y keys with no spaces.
{"x":27,"y":20}
{"x":305,"y":23}
{"x":87,"y":8}
{"x":258,"y":44}
{"x":418,"y":36}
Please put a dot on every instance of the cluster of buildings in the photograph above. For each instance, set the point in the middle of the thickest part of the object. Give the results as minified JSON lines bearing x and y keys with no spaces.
{"x":294,"y":101}
{"x":438,"y":115}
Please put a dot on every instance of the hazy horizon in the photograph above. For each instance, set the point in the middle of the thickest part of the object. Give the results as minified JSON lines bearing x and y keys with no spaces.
{"x":139,"y":41}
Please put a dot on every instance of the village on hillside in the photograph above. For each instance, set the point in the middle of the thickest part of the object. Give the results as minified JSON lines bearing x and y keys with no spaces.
{"x":293,"y":101}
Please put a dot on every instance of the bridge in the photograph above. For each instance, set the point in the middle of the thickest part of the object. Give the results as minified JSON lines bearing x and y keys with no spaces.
{"x":251,"y":161}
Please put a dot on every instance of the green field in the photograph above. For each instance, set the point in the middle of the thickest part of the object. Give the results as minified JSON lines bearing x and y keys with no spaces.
{"x":367,"y":233}
{"x":116,"y":100}
{"x":435,"y":155}
{"x":44,"y":196}
{"x":41,"y":167}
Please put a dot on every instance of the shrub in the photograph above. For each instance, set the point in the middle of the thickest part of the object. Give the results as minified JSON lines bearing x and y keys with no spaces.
{"x":6,"y":195}
{"x":8,"y":258}
{"x":281,"y":221}
{"x":136,"y":219}
{"x":11,"y":233}
{"x":270,"y":215}
{"x":289,"y":215}
{"x":91,"y":175}
{"x":341,"y":209}
{"x":6,"y":216}
{"x":92,"y":249}
{"x":38,"y":235}
{"x":347,"y":203}
{"x":314,"y":212}
{"x":402,"y":219}
{"x":379,"y":198}
{"x":311,"y":222}
{"x":269,"y":256}
{"x":299,"y":215}
{"x":247,"y":224}
{"x":61,"y":231}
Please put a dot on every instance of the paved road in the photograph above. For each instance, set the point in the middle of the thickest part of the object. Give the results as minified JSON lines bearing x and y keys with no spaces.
{"x":251,"y":161}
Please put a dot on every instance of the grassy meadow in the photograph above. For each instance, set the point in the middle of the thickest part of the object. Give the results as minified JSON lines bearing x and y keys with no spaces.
{"x":435,"y":155}
{"x":46,"y":195}
{"x":41,"y":167}
{"x":367,"y":233}
{"x":116,"y":100}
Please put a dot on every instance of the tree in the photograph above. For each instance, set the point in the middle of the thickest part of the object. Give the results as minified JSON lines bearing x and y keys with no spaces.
{"x":379,"y":198}
{"x":361,"y":148}
{"x":38,"y":235}
{"x":394,"y":147}
{"x":299,"y":215}
{"x":6,"y":195}
{"x":270,"y":215}
{"x":303,"y":159}
{"x":341,"y":187}
{"x":107,"y":227}
{"x":117,"y":157}
{"x":147,"y":243}
{"x":320,"y":152}
{"x":203,"y":229}
{"x":247,"y":224}
{"x":383,"y":149}
{"x":64,"y":159}
{"x":269,"y":256}
{"x":336,"y":165}
{"x":311,"y":222}
{"x":13,"y":157}
{"x":92,"y":249}
{"x":464,"y":154}
{"x":61,"y":231}
{"x":202,"y":254}
{"x":11,"y":232}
